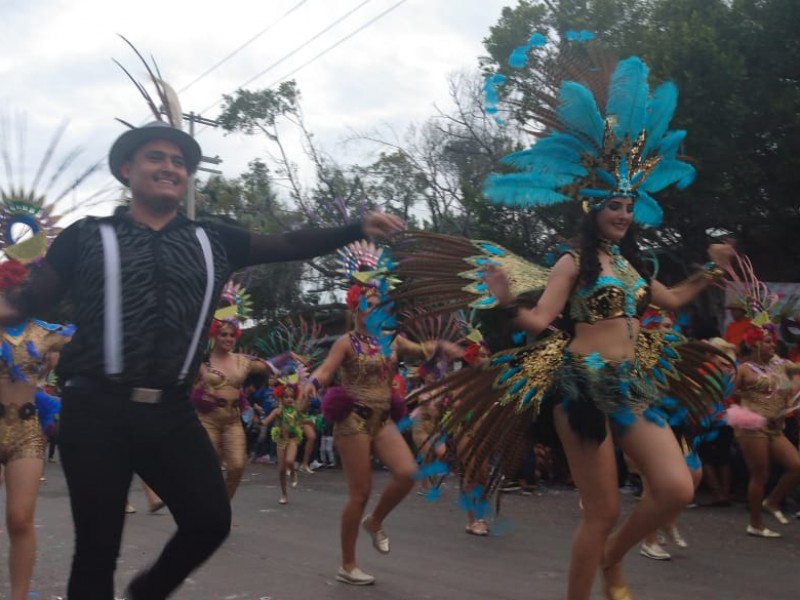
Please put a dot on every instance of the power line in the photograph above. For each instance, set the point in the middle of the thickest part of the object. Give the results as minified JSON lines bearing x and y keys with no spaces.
{"x":326,"y":50}
{"x":290,"y":54}
{"x":341,"y":41}
{"x":243,"y":46}
{"x":295,"y":51}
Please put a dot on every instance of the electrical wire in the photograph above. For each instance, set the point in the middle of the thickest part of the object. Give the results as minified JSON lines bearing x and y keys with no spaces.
{"x":242,"y":47}
{"x":293,"y":52}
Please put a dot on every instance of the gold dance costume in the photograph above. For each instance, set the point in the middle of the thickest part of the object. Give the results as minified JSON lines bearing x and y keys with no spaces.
{"x":221,"y":417}
{"x":367,"y":377}
{"x":22,"y":355}
{"x":768,"y":396}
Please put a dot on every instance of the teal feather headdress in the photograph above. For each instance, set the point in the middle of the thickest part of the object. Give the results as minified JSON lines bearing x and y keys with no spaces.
{"x":591,"y":153}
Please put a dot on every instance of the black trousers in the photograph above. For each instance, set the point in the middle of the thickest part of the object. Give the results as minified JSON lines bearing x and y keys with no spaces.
{"x":105,"y":438}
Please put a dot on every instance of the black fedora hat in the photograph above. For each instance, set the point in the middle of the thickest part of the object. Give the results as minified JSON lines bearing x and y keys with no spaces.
{"x":128,"y":142}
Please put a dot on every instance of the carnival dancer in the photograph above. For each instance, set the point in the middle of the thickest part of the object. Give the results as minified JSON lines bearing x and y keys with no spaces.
{"x":300,"y":337}
{"x":764,"y":394}
{"x":287,"y":433}
{"x":364,"y":412}
{"x":143,"y":282}
{"x":23,"y":358}
{"x":602,"y":372}
{"x":218,"y":397}
{"x":28,"y":351}
{"x":764,"y":386}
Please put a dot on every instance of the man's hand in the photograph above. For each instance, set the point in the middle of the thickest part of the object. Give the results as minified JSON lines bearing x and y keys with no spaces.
{"x":378,"y":224}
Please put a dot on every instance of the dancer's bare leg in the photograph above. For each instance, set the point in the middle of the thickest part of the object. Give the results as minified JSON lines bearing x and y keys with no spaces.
{"x":22,"y":486}
{"x":354,"y":452}
{"x":594,"y":471}
{"x":755,"y":450}
{"x":392,"y":451}
{"x":310,"y":435}
{"x":786,"y":455}
{"x":670,"y":489}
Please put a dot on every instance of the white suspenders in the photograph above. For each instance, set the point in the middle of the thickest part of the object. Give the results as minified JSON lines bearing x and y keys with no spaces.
{"x":113,"y":333}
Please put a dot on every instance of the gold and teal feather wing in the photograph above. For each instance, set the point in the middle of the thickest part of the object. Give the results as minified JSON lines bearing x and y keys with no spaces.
{"x":443,"y":273}
{"x":494,"y":405}
{"x":683,"y":370}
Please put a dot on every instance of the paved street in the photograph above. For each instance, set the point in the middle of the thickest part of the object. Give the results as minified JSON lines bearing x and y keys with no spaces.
{"x":290,"y":552}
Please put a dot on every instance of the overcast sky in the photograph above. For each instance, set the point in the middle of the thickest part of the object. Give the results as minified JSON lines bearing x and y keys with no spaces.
{"x":55,"y":64}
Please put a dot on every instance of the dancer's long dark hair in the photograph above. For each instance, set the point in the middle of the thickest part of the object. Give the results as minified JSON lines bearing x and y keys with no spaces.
{"x":589,"y":242}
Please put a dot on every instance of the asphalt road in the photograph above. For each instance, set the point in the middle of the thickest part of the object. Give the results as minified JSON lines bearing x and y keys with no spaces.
{"x":291,"y":552}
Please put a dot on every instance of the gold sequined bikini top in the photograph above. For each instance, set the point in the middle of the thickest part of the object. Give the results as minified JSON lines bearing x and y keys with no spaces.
{"x":368,"y":366}
{"x":610,"y":297}
{"x":25,"y":346}
{"x":214,"y":379}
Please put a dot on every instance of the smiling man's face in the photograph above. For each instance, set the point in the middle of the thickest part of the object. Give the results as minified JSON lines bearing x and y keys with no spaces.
{"x":157,"y":175}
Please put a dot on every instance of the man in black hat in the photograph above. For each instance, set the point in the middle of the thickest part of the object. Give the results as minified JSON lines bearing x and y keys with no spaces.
{"x":144,"y":283}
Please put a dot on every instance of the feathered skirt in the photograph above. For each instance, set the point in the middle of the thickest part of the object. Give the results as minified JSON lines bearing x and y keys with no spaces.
{"x":669,"y":379}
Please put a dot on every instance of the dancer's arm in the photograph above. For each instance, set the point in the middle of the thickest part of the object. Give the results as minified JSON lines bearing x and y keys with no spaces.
{"x":554,"y":298}
{"x":246,"y":248}
{"x":405,"y":347}
{"x":323,"y":374}
{"x":675,"y":297}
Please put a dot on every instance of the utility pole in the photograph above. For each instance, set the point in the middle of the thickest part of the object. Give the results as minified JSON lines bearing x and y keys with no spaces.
{"x":193,"y":118}
{"x":190,"y":199}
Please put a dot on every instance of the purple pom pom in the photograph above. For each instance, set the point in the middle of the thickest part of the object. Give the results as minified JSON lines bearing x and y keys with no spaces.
{"x":398,"y":408}
{"x":337,"y":404}
{"x":202,"y":401}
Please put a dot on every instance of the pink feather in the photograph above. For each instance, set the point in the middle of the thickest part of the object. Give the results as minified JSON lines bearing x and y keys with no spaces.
{"x":743,"y":418}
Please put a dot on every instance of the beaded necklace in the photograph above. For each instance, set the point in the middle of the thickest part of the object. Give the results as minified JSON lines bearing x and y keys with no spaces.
{"x":628,"y":277}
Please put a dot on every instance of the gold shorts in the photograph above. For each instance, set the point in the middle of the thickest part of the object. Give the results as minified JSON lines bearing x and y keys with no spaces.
{"x":20,"y":433}
{"x":362,"y":419}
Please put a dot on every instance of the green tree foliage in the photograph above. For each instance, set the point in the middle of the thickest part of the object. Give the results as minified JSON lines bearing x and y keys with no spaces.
{"x":334,"y":197}
{"x":735,"y":66}
{"x":249,"y":201}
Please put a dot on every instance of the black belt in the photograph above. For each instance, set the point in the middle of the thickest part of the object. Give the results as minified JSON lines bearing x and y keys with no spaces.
{"x":367,"y":412}
{"x":140,"y":395}
{"x":24,"y":411}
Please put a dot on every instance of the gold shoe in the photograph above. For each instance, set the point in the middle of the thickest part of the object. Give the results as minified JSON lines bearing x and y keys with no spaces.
{"x":615,"y":593}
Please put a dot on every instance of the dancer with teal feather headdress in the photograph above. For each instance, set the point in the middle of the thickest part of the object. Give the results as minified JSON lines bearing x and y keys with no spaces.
{"x":604,"y":142}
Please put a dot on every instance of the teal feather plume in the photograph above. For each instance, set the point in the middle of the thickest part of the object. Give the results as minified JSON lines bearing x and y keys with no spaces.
{"x":660,"y":109}
{"x":579,"y":114}
{"x":544,"y":163}
{"x":670,"y":144}
{"x":531,"y":179}
{"x":517,"y":190}
{"x":563,"y":153}
{"x":665,"y":174}
{"x":646,"y":211}
{"x":627,"y":97}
